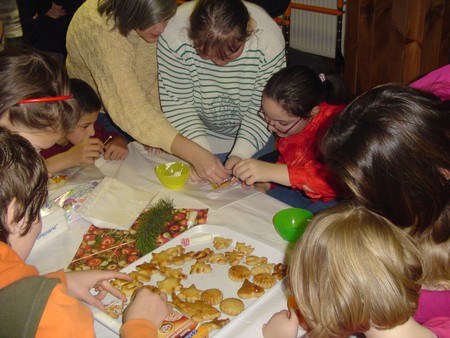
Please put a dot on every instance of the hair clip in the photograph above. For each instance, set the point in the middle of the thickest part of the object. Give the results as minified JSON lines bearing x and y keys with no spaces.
{"x":47,"y":99}
{"x":322,"y":77}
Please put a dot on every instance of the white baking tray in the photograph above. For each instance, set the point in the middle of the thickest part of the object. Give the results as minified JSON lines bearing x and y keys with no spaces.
{"x":218,"y":278}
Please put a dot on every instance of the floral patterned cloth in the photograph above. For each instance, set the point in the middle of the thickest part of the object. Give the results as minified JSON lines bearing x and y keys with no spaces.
{"x":109,"y":249}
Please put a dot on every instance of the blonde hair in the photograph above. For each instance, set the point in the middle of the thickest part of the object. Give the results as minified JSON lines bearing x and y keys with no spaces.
{"x":352,"y":270}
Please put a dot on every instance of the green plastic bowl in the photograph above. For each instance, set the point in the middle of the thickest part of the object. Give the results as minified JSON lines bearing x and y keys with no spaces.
{"x":291,"y":223}
{"x":173,"y":175}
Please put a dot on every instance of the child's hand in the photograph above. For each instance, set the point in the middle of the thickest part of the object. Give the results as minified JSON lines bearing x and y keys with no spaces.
{"x":147,"y":305}
{"x":86,"y":152}
{"x":251,"y":171}
{"x":79,"y":284}
{"x":231,"y":162}
{"x":116,"y":149}
{"x":283,"y":324}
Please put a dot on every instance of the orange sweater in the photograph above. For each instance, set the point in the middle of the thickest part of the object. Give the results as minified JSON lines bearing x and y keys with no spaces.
{"x":64,"y":316}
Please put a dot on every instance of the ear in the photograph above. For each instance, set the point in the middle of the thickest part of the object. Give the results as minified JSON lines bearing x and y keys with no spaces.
{"x":315,"y":111}
{"x":4,"y":120}
{"x":10,"y":211}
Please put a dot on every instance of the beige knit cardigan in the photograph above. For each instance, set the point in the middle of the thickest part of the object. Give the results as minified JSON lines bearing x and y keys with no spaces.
{"x":123,"y":71}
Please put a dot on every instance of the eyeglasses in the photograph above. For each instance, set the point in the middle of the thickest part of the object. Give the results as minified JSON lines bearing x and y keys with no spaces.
{"x":264,"y":117}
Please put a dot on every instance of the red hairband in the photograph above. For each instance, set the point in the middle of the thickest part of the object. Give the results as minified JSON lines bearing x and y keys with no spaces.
{"x":47,"y":99}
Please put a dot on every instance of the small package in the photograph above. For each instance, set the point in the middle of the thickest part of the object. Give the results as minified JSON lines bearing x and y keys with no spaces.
{"x":53,"y":223}
{"x":177,"y":325}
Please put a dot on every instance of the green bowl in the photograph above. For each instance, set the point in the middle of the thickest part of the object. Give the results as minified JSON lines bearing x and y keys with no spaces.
{"x":173,"y":175}
{"x":290,"y":223}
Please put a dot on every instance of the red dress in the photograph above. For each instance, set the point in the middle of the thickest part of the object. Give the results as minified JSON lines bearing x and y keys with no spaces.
{"x":304,"y":161}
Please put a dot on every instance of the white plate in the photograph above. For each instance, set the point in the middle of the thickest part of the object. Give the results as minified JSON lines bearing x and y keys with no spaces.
{"x":218,"y":278}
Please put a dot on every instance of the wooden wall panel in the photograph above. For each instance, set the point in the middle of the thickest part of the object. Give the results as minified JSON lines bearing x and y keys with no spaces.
{"x":394,"y":40}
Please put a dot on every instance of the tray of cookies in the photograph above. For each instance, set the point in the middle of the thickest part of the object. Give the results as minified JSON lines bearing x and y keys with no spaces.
{"x":210,"y":273}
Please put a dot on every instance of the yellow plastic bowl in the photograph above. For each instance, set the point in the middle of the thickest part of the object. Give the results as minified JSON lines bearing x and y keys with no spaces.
{"x":290,"y":223}
{"x":173,"y":175}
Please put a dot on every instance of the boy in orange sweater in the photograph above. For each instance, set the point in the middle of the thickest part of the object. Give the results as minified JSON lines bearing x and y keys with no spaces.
{"x":49,"y":306}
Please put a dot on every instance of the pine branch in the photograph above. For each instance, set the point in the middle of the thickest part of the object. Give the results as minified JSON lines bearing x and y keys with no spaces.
{"x":152,"y":223}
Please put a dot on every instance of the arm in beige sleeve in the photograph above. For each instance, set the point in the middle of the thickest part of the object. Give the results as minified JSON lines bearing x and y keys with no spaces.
{"x":116,"y":69}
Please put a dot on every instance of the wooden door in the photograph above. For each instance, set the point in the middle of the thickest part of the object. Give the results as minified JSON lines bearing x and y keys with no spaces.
{"x":394,"y":40}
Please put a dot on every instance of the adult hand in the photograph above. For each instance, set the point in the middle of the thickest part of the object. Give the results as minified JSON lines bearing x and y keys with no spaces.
{"x":147,"y":305}
{"x":207,"y":166}
{"x":116,"y":149}
{"x":153,"y":150}
{"x":79,"y":284}
{"x":56,"y":11}
{"x":283,"y":324}
{"x":86,"y":152}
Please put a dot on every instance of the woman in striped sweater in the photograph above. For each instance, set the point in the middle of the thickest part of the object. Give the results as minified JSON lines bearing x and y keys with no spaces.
{"x":214,"y":59}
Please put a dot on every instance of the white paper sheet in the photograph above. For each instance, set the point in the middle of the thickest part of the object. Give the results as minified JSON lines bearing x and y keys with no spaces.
{"x":114,"y":204}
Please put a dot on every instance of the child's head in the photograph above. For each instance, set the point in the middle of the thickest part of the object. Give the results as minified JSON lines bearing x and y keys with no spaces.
{"x":23,"y":182}
{"x":391,"y":147}
{"x":89,"y":105}
{"x":219,"y":29}
{"x":292,"y":96}
{"x":353,"y":269}
{"x":35,"y":96}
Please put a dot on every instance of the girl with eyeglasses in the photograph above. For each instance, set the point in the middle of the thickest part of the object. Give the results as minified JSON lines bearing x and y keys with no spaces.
{"x":298,"y":105}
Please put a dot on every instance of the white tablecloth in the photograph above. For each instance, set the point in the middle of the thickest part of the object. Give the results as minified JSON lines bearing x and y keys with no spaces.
{"x":243,"y":210}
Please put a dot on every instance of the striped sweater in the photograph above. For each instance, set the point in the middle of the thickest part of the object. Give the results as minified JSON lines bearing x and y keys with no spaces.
{"x":216,"y":106}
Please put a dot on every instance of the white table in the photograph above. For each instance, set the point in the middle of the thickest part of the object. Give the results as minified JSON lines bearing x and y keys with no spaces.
{"x":246,"y":211}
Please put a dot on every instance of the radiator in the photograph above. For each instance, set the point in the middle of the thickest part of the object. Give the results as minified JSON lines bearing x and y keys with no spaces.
{"x":314,"y":33}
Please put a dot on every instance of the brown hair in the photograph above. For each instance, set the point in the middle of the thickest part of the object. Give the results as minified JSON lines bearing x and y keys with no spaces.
{"x":218,"y":28}
{"x":353,"y":269}
{"x":129,"y":15}
{"x":23,"y":178}
{"x":391,"y":147}
{"x":298,"y":89}
{"x":26,"y":73}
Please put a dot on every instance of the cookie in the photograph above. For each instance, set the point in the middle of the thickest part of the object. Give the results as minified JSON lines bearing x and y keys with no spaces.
{"x":198,"y":311}
{"x":231,"y":306}
{"x":169,"y":285}
{"x":212,"y":296}
{"x":176,"y":273}
{"x":238,"y":273}
{"x":147,"y":268}
{"x":250,"y":290}
{"x":141,"y":276}
{"x":220,"y":243}
{"x":255,"y":260}
{"x":234,"y":257}
{"x":190,"y":294}
{"x":279,"y":271}
{"x":203,"y":255}
{"x":264,"y":280}
{"x":200,"y":267}
{"x":215,"y":324}
{"x":129,"y":288}
{"x":244,"y":248}
{"x":218,"y":258}
{"x":263,"y":268}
